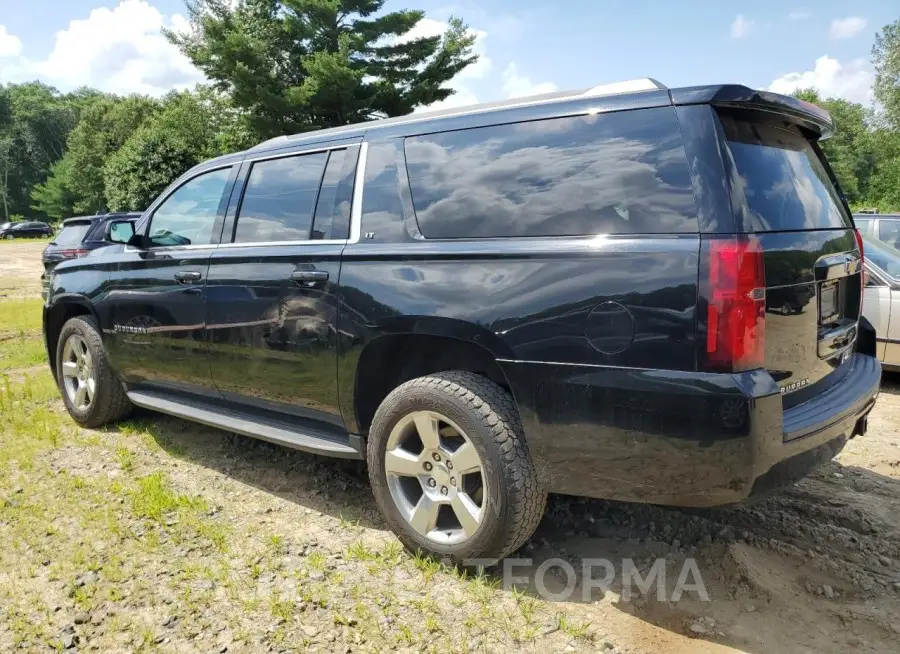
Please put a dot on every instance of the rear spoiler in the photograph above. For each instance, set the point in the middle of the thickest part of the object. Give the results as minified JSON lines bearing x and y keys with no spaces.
{"x":804,"y":113}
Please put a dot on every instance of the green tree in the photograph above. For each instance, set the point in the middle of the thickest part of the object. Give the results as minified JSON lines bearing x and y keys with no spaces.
{"x":38,"y":124}
{"x":191,"y":127}
{"x":105,"y":126}
{"x":886,"y":59}
{"x":55,"y":198}
{"x":300,"y":65}
{"x":851,"y":149}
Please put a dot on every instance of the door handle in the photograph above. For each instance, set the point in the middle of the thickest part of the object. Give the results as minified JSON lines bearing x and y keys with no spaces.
{"x":313,"y":276}
{"x":187,"y":276}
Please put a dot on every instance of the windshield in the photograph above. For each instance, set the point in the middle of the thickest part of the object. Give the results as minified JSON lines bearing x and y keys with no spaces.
{"x":883,"y":256}
{"x":72,"y":234}
{"x":781,"y":185}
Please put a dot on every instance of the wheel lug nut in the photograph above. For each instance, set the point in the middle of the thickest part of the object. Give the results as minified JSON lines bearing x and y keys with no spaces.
{"x":449,"y":464}
{"x":453,"y":481}
{"x":427,"y":466}
{"x":432,"y":483}
{"x":436,"y":456}
{"x":443,"y":490}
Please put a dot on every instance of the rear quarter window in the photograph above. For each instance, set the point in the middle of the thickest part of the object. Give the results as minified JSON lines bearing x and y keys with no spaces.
{"x":73,"y":234}
{"x":780,"y":181}
{"x":617,"y":173}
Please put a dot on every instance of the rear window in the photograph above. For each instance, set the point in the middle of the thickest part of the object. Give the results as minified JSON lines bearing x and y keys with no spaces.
{"x":782,"y":184}
{"x":616,"y":173}
{"x":72,"y":234}
{"x":884,"y":256}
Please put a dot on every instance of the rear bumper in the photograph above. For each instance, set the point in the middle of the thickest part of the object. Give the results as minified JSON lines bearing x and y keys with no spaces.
{"x":681,"y":438}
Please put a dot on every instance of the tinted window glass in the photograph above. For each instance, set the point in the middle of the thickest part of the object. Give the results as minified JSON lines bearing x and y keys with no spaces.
{"x":864,"y":225}
{"x":884,"y":256}
{"x":781,"y":182}
{"x":615,"y":173}
{"x":382,"y":207}
{"x":329,"y":223}
{"x":72,"y":234}
{"x":278,"y":200}
{"x":187,"y":216}
{"x":889,"y":231}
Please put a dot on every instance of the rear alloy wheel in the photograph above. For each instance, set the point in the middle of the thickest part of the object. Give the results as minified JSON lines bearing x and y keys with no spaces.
{"x":432,"y":466}
{"x":450,"y":468}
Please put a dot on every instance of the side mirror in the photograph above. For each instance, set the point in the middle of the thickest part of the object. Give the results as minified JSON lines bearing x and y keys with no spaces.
{"x":120,"y":231}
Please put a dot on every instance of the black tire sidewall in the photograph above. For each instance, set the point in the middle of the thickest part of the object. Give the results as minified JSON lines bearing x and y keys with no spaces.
{"x":490,"y":535}
{"x":90,"y":335}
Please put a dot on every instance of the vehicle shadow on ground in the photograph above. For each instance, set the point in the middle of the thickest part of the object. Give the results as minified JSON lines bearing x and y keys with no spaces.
{"x":843,"y":512}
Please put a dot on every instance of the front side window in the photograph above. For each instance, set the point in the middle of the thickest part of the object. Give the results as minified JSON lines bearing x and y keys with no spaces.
{"x":617,"y":173}
{"x":187,"y":217}
{"x":279,"y":199}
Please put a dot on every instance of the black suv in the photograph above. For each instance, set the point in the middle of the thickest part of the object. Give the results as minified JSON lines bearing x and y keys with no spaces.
{"x":568,"y":293}
{"x":79,"y":236}
{"x":25,"y":229}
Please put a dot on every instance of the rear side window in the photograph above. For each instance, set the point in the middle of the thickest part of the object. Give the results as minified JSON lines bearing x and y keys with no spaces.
{"x":72,"y":235}
{"x":279,"y":198}
{"x":332,"y":220}
{"x":617,"y":173}
{"x":782,"y":184}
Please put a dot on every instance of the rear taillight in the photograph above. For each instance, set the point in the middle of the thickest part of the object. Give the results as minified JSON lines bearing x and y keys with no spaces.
{"x":862,"y":273}
{"x":735,"y":314}
{"x":72,"y":254}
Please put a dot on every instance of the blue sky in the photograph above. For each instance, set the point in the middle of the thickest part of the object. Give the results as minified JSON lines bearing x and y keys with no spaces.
{"x":526,"y":46}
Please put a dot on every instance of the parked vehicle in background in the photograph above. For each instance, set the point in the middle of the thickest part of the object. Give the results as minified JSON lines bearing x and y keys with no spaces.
{"x":77,"y":237}
{"x":884,"y":227}
{"x":25,"y":229}
{"x":882,"y":303}
{"x":567,"y":293}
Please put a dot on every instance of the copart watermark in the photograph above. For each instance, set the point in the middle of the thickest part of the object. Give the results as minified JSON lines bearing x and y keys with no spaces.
{"x":557,"y":580}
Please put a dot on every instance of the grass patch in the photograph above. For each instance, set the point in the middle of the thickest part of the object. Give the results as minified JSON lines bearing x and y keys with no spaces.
{"x":23,"y":350}
{"x":20,"y":315}
{"x":154,"y":499}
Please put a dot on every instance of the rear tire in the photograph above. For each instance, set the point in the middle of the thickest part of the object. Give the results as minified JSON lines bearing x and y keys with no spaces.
{"x":92,"y":393}
{"x":485,"y":518}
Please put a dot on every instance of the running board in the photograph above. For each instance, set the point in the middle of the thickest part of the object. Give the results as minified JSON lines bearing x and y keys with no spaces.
{"x":299,"y":437}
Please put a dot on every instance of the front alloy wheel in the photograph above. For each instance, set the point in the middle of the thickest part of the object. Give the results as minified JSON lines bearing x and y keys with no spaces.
{"x":91,"y":391}
{"x":78,"y":373}
{"x":436,"y":477}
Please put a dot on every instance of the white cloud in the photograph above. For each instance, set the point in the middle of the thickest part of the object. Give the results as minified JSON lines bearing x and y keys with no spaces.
{"x":120,"y":50}
{"x":517,"y":86}
{"x":799,"y":14}
{"x":845,"y":28}
{"x":740,"y":27}
{"x":852,"y":81}
{"x":10,"y":45}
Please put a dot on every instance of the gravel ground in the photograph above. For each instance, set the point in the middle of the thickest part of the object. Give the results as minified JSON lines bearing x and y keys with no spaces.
{"x":161,"y":535}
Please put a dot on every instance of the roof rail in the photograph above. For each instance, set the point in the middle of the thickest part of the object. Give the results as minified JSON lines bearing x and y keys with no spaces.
{"x":626,"y":86}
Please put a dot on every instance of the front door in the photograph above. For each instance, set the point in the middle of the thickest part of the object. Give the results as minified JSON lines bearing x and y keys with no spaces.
{"x":271,"y":306}
{"x":154,"y":310}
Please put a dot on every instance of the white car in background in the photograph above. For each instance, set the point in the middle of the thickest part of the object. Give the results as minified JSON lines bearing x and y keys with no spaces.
{"x":881,"y":305}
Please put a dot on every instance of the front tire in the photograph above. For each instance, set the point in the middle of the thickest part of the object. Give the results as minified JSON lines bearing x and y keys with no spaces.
{"x":450,"y":468}
{"x":91,"y":391}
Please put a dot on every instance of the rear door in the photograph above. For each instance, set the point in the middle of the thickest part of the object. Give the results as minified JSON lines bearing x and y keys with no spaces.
{"x":784,"y":194}
{"x":271,"y":307}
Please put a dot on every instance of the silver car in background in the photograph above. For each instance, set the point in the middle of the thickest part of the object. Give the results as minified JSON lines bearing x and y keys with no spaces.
{"x":881,"y":305}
